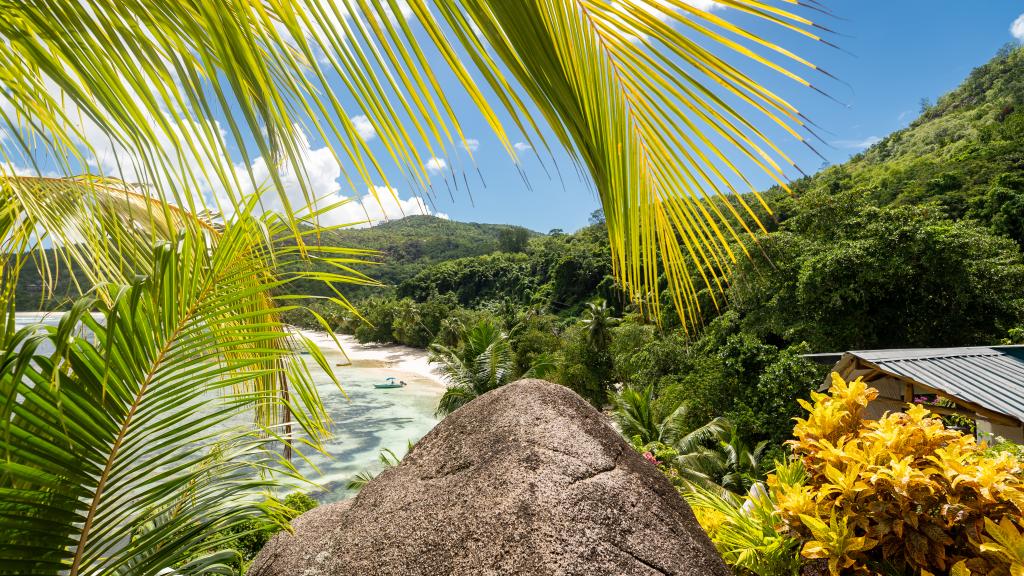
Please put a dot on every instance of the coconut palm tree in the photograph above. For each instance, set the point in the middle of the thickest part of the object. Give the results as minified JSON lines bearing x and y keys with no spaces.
{"x":598,"y":319}
{"x":712,"y":456}
{"x":483,"y":362}
{"x":715,"y":457}
{"x":153,"y":144}
{"x":406,"y":320}
{"x":638,"y":414}
{"x":451,"y":331}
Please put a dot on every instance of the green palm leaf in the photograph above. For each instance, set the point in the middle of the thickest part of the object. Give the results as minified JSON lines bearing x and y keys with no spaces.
{"x":643,"y":93}
{"x":114,"y":428}
{"x":483,"y":362}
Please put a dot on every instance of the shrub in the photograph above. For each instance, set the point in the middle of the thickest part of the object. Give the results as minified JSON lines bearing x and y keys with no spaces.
{"x":902,"y":495}
{"x":249,"y":537}
{"x":749,"y":534}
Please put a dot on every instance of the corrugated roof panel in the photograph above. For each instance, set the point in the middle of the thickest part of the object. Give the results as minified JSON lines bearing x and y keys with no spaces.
{"x":990,"y":377}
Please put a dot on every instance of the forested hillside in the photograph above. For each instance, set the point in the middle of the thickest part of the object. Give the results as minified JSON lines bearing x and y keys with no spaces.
{"x":410,"y":244}
{"x":915,"y":242}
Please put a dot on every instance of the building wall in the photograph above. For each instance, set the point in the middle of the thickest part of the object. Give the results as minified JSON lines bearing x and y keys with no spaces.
{"x":890,"y":399}
{"x":988,"y":431}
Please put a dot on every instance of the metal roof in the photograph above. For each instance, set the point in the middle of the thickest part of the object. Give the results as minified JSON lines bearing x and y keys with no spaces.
{"x":990,"y":376}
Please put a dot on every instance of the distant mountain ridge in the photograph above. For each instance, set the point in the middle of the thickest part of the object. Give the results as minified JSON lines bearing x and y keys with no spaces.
{"x":406,"y":246}
{"x":410,"y":244}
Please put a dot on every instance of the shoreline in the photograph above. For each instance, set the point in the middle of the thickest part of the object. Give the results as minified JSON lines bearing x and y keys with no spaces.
{"x":404,"y":360}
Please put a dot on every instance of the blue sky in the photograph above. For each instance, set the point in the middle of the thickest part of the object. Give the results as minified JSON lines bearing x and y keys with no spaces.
{"x":894,"y":54}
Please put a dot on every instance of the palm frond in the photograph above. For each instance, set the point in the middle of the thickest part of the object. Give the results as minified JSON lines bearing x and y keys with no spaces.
{"x":455,"y":397}
{"x":133,"y":421}
{"x":634,"y":412}
{"x":750,"y":537}
{"x":387,"y":458}
{"x":712,"y":432}
{"x":107,"y":229}
{"x":644,"y":95}
{"x":494,"y":365}
{"x":544,"y":365}
{"x":104,"y":87}
{"x":673,"y":425}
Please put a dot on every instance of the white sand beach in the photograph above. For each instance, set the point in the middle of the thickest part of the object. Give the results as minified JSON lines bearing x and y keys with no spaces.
{"x":368,"y":420}
{"x":406,"y":363}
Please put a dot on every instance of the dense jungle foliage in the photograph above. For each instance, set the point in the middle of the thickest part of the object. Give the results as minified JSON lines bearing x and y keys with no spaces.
{"x":914,"y":242}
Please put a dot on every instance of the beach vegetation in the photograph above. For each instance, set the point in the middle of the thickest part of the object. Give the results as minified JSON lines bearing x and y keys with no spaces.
{"x":153,"y":187}
{"x":482,"y":362}
{"x":899,"y":495}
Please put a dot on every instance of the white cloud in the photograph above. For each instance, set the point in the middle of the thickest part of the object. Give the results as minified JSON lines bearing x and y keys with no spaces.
{"x":522,"y":146}
{"x":364,"y":127}
{"x":435,"y":165}
{"x":102,"y":156}
{"x":470,"y":145}
{"x":369,"y":210}
{"x":660,"y":10}
{"x":320,"y":168}
{"x":11,"y":169}
{"x":1017,"y":28}
{"x":858,"y":144}
{"x":322,"y":174}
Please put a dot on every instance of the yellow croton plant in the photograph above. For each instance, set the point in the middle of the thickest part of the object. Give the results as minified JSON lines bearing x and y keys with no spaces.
{"x":902,"y":491}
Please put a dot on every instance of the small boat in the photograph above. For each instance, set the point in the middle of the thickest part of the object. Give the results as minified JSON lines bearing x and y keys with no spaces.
{"x":390,"y":382}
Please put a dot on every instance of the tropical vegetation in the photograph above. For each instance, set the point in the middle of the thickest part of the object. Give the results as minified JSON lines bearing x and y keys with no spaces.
{"x":154,"y":155}
{"x":153,"y":186}
{"x":898,"y":495}
{"x":844,"y":252}
{"x":482,"y":362}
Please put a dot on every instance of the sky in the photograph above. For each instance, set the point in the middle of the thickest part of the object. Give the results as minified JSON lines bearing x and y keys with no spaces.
{"x":894,"y":54}
{"x":891,"y":55}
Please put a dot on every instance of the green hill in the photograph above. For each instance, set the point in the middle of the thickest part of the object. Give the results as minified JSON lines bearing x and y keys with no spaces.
{"x":914,"y":242}
{"x":409,"y":245}
{"x":965,"y":153}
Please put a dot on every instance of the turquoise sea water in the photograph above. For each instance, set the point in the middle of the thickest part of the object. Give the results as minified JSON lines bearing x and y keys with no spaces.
{"x":368,"y":421}
{"x":365,"y":422}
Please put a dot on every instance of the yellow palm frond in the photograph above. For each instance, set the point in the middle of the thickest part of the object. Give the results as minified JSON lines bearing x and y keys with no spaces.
{"x":653,"y":97}
{"x":645,"y":94}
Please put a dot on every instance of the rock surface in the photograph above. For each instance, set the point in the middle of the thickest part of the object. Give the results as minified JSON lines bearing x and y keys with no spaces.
{"x":528,"y":479}
{"x":295,"y":551}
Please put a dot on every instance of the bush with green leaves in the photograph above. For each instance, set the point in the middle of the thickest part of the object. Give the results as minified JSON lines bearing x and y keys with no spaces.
{"x":249,"y":537}
{"x":726,"y":372}
{"x":841,"y":263}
